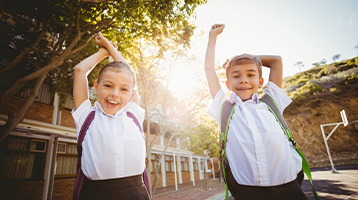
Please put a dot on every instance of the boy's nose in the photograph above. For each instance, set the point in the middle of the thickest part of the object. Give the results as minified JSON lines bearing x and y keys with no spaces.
{"x":243,"y":80}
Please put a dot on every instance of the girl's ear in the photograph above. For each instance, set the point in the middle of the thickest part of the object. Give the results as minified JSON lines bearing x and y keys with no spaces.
{"x":261,"y":82}
{"x":96,"y":86}
{"x":228,"y":85}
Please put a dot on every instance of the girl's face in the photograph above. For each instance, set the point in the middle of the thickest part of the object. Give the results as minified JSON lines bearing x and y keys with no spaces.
{"x":244,"y":80}
{"x":114,"y":90}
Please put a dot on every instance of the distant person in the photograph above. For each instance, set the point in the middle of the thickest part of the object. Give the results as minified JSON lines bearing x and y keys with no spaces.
{"x":113,"y":156}
{"x":262,"y":163}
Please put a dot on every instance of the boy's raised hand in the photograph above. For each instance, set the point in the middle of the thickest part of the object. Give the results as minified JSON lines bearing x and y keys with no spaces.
{"x":216,"y":29}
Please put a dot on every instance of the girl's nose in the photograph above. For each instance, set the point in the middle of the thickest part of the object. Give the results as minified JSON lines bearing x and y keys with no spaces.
{"x":114,"y":93}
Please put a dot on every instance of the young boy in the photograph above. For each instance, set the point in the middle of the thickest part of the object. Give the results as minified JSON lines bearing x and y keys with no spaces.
{"x":262,"y":163}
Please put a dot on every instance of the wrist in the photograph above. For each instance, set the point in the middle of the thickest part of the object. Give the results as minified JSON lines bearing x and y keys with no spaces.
{"x":103,"y":52}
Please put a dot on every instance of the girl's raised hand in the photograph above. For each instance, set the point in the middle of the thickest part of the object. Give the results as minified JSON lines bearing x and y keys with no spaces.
{"x":104,"y":42}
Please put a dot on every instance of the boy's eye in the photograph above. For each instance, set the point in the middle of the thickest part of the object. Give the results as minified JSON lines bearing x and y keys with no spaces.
{"x":108,"y":86}
{"x":251,"y":75}
{"x":124,"y":89}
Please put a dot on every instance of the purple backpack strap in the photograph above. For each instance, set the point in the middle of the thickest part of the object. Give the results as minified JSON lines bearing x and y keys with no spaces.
{"x":145,"y":175}
{"x":80,"y":175}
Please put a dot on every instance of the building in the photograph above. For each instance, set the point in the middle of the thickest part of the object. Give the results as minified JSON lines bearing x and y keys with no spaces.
{"x":38,"y":159}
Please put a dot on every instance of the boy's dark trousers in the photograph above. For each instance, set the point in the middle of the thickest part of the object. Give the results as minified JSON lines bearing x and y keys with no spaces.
{"x":291,"y":190}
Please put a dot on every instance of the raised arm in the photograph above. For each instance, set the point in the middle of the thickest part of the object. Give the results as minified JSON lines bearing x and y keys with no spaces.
{"x":81,"y":70}
{"x":209,"y":66}
{"x":275,"y":65}
{"x":111,"y":48}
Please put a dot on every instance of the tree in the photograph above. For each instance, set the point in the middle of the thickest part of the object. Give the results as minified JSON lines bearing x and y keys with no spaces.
{"x":336,"y":57}
{"x":300,"y":65}
{"x":44,"y":35}
{"x":322,"y":62}
{"x":154,"y":67}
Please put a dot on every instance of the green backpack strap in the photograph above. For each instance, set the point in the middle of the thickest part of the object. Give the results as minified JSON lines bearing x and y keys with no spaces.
{"x":272,"y":106}
{"x":227,"y":110}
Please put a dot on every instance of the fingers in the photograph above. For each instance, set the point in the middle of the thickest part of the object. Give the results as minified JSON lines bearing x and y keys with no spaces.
{"x":215,"y":26}
{"x":115,"y":46}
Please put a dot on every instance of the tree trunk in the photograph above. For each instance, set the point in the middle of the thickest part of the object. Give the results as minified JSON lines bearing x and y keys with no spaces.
{"x":158,"y":165}
{"x":14,"y":119}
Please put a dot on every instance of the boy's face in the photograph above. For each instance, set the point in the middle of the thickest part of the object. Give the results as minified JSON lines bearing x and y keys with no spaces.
{"x":244,"y":80}
{"x":114,"y":90}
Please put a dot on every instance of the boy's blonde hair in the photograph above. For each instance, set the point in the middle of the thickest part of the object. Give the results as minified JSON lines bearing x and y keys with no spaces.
{"x":243,"y":59}
{"x":118,"y":67}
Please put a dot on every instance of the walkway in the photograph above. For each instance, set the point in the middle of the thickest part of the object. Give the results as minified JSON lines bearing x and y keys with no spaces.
{"x":329,"y":186}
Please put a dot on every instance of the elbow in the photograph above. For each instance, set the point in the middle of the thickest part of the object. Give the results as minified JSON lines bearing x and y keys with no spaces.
{"x":78,"y":70}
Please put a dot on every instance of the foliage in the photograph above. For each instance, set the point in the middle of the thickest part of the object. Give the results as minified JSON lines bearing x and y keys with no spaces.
{"x":203,"y":137}
{"x":301,"y":94}
{"x":49,"y":37}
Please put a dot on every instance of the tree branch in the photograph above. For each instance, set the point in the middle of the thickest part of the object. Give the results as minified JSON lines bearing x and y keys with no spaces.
{"x":23,"y":53}
{"x":17,"y":117}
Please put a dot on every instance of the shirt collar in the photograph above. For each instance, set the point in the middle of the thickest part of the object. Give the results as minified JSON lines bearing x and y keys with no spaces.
{"x":236,"y":99}
{"x":98,"y":106}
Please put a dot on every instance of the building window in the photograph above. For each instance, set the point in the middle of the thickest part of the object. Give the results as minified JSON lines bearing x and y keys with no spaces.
{"x":66,"y":162}
{"x":169,"y":164}
{"x":184,"y":164}
{"x":155,"y":161}
{"x":22,"y":158}
{"x":195,"y":164}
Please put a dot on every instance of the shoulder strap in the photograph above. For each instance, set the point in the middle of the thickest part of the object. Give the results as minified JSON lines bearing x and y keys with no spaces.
{"x":227,"y":110}
{"x":84,"y":127}
{"x":271,"y":104}
{"x":131,"y":115}
{"x":145,"y":175}
{"x":82,"y":134}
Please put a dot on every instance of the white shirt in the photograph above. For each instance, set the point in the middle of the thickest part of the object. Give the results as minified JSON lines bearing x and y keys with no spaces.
{"x":258,"y":151}
{"x":113,"y":146}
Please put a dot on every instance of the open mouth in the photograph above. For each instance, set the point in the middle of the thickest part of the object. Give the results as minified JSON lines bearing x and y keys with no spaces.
{"x":111,"y":103}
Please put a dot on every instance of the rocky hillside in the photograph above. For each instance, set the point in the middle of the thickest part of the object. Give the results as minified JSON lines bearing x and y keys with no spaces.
{"x":319,"y":94}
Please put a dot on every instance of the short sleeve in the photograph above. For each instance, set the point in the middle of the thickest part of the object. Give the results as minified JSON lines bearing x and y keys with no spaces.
{"x":280,"y":97}
{"x":81,"y":112}
{"x":214,"y":108}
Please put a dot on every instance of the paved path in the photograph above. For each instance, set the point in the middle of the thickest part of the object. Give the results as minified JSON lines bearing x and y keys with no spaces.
{"x":329,"y":186}
{"x":332,"y":186}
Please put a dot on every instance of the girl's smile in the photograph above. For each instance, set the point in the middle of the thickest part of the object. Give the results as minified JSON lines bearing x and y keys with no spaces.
{"x":114,"y":90}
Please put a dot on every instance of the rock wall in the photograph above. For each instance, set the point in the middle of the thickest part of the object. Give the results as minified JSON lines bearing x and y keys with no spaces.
{"x":304,"y":123}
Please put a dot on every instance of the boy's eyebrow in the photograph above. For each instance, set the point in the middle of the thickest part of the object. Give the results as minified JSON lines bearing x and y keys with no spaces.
{"x":248,"y":70}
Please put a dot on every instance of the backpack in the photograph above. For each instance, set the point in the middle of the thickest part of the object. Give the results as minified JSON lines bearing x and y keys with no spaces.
{"x":227,"y":110}
{"x":82,"y":134}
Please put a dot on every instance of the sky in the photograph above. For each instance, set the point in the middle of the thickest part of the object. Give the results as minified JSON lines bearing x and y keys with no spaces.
{"x":297,"y":30}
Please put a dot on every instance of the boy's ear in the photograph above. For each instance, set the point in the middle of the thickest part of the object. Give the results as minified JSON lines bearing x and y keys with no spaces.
{"x":228,"y":85}
{"x":96,"y":86}
{"x":261,"y":82}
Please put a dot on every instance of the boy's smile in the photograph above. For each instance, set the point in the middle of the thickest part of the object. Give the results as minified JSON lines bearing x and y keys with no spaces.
{"x":244,"y":80}
{"x":114,"y":90}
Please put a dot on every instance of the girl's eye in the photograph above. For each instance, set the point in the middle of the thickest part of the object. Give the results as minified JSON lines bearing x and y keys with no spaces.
{"x":124,"y":89}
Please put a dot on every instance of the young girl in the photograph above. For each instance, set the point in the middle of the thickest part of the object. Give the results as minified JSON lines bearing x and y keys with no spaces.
{"x":113,"y":148}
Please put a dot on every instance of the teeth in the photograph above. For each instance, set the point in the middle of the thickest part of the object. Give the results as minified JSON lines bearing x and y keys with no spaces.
{"x":113,"y":102}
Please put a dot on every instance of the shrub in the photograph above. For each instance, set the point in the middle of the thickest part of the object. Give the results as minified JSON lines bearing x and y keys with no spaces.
{"x":330,"y":69}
